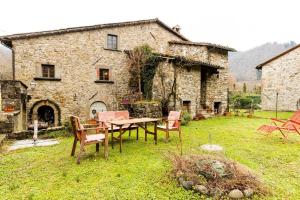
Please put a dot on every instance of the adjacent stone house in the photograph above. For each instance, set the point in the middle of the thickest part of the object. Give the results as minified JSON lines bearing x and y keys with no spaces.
{"x":280,"y":77}
{"x":84,"y":69}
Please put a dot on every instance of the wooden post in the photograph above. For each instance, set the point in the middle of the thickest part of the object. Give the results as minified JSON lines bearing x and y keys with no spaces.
{"x":155,"y":132}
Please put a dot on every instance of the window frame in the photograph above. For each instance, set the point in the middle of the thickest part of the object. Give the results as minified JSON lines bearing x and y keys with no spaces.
{"x":47,"y":70}
{"x":110,"y":42}
{"x":102,"y":77}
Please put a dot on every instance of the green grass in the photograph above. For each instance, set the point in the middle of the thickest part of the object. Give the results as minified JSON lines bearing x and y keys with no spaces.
{"x":141,"y":171}
{"x":272,"y":114}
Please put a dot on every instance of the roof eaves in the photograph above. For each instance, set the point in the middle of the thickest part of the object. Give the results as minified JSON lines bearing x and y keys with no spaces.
{"x":277,"y":56}
{"x":86,"y":28}
{"x":203,"y":44}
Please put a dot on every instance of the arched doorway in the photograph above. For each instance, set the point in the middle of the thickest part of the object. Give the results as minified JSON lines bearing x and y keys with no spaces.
{"x":45,"y":111}
{"x":46,"y":114}
{"x":97,"y":106}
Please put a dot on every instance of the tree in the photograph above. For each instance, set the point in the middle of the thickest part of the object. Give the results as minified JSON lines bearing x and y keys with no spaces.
{"x":137,"y":60}
{"x":244,"y":88}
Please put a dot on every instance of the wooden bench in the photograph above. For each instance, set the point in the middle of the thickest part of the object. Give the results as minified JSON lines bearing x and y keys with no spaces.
{"x":103,"y":119}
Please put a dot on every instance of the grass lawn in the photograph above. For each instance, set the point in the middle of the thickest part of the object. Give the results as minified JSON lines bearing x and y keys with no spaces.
{"x":141,"y":171}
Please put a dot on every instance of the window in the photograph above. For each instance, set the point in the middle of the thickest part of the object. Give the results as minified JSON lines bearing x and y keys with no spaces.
{"x":112,"y":42}
{"x":48,"y":71}
{"x":103,"y":74}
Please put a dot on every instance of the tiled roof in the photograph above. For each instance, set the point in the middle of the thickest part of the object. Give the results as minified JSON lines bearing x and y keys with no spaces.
{"x":86,"y":28}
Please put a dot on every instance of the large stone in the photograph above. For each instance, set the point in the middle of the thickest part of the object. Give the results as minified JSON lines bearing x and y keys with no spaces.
{"x":248,"y":192}
{"x":235,"y":194}
{"x":201,"y":189}
{"x":210,"y":168}
{"x":188,"y":185}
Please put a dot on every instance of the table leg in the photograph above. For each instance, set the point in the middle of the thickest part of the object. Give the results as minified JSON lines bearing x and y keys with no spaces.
{"x":120,"y":137}
{"x":112,"y":136}
{"x":155,"y":132}
{"x":145,"y":131}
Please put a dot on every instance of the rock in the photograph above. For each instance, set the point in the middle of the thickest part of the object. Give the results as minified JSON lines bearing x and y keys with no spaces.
{"x":235,"y":194}
{"x":188,"y":185}
{"x":210,"y":168}
{"x":180,"y":179}
{"x":248,"y":192}
{"x":201,"y":189}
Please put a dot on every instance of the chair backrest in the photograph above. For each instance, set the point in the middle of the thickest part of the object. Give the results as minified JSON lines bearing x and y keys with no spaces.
{"x":173,"y":118}
{"x":76,"y":127}
{"x":112,"y":115}
{"x":296,"y":116}
{"x":123,"y":114}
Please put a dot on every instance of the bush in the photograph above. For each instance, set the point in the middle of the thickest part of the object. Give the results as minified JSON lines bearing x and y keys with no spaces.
{"x":244,"y":101}
{"x":186,"y":118}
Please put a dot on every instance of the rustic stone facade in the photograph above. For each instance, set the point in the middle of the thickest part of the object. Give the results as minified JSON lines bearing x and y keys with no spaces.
{"x":78,"y":55}
{"x":282,"y":76}
{"x":13,"y":97}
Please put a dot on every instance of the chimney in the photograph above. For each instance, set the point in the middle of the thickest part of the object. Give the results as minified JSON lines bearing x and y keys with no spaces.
{"x":176,"y":28}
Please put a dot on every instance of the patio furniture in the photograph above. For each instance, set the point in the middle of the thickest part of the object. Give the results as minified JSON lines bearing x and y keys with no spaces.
{"x":103,"y":119}
{"x":284,"y":126}
{"x":80,"y":134}
{"x":128,"y":123}
{"x":172,"y":123}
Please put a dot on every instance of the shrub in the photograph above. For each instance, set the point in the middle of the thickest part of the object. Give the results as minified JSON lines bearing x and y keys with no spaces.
{"x":186,"y":118}
{"x":244,"y":101}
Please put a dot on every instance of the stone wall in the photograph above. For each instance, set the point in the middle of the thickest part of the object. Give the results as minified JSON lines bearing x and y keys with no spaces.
{"x":76,"y":57}
{"x":282,"y":75}
{"x":13,"y":97}
{"x":146,"y":109}
{"x":188,"y":85}
{"x":10,"y":122}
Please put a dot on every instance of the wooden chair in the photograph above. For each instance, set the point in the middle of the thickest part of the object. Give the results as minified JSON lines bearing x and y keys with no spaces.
{"x":290,"y":125}
{"x":80,"y":134}
{"x":104,"y":117}
{"x":171,"y":124}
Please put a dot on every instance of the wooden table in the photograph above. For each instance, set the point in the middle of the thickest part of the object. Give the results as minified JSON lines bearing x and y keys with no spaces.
{"x":141,"y":122}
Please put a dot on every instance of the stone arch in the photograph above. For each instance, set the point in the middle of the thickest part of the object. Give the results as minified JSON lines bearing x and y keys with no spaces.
{"x":34,"y":111}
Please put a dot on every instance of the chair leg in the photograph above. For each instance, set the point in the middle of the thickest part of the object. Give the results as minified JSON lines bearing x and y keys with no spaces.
{"x":137,"y":133}
{"x":146,"y":131}
{"x":106,"y":148}
{"x":167,"y":136}
{"x":74,"y":147}
{"x":80,"y":153}
{"x":97,"y":147}
{"x":129,"y":132}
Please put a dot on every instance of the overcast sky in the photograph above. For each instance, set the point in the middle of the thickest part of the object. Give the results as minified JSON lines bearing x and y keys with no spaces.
{"x":241,"y":24}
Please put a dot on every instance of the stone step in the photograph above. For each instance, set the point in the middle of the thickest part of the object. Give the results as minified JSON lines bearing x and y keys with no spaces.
{"x":2,"y":138}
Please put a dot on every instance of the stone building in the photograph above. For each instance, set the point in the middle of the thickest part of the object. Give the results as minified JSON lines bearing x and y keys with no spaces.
{"x":13,"y":97}
{"x":280,"y":78}
{"x":83,"y":69}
